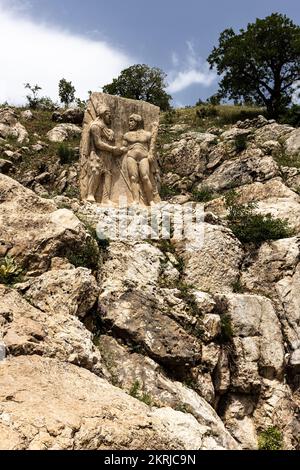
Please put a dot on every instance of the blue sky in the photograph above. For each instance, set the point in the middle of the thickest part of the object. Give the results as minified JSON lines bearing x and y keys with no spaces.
{"x":91,"y":41}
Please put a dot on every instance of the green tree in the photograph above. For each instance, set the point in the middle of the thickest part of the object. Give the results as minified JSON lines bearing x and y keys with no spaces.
{"x":33,"y":99}
{"x":260,"y":63}
{"x":66,"y":92}
{"x":141,"y":82}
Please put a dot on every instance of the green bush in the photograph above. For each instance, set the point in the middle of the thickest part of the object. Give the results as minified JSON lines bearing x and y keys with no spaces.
{"x":203,"y":195}
{"x":166,"y":192}
{"x":249,"y":227}
{"x":206,"y":111}
{"x":10,"y":271}
{"x":66,"y":154}
{"x":270,"y":439}
{"x":88,"y":257}
{"x":226,"y":329}
{"x":240,"y":142}
{"x":292,"y":116}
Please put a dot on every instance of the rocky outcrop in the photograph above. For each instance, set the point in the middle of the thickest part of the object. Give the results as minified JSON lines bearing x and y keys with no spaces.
{"x":11,"y":127}
{"x":28,"y":330}
{"x":72,"y":409}
{"x":215,"y":265}
{"x":71,"y":115}
{"x":63,"y":132}
{"x":33,"y":230}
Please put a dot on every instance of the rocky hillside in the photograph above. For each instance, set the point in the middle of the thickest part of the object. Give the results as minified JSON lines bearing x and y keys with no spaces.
{"x":145,"y":344}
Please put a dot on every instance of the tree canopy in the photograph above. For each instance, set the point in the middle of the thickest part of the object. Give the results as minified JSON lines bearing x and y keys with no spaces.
{"x":261,"y":63}
{"x":66,"y":92}
{"x":141,"y":82}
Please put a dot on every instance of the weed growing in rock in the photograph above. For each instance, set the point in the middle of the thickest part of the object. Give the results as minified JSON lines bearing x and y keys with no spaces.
{"x":66,"y":154}
{"x":203,"y":195}
{"x":10,"y":271}
{"x":240,"y":142}
{"x":270,"y":439}
{"x":250,"y":227}
{"x":135,"y":392}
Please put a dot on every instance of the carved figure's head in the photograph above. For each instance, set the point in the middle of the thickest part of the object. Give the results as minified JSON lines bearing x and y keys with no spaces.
{"x":136,"y":122}
{"x":104,"y":113}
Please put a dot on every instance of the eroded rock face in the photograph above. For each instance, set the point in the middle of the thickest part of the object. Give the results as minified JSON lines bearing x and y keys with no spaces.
{"x":73,"y":409}
{"x":151,"y":384}
{"x":33,"y":230}
{"x":63,"y":132}
{"x":70,"y":291}
{"x":276,"y":272}
{"x":27,"y":330}
{"x":253,"y":166}
{"x":215,"y":266}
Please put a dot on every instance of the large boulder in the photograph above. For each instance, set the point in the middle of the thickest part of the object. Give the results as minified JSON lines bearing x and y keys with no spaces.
{"x":46,"y":404}
{"x":271,"y":197}
{"x":63,"y":132}
{"x":292,"y":144}
{"x":28,"y":330}
{"x":10,"y":127}
{"x":251,"y":166}
{"x":71,"y":115}
{"x":214,"y":266}
{"x":33,"y":230}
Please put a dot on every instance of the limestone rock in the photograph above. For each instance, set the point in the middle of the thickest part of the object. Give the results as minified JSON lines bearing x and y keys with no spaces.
{"x":35,"y":229}
{"x":272,"y":197}
{"x":272,"y":131}
{"x":257,"y":340}
{"x":275,"y":271}
{"x":70,"y":291}
{"x":70,"y":408}
{"x":10,"y":127}
{"x":292,"y":143}
{"x":63,"y":132}
{"x":137,"y":316}
{"x":27,"y":330}
{"x":252,"y":166}
{"x":154,"y":386}
{"x":27,"y":115}
{"x":215,"y":266}
{"x":188,"y":152}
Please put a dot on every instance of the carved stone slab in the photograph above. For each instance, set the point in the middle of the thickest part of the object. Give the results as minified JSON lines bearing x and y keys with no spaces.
{"x":117,"y":151}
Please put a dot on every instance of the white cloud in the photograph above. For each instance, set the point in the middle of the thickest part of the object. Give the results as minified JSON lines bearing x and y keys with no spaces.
{"x":43,"y":54}
{"x":193,"y":70}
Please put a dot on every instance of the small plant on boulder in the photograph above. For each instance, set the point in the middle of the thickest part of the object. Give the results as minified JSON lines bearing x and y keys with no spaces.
{"x":10,"y":271}
{"x":250,"y":227}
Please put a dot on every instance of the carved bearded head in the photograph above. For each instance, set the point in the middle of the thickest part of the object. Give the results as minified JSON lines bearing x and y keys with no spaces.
{"x":136,"y":122}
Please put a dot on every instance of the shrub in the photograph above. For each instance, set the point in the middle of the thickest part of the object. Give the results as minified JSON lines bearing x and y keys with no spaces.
{"x":292,"y":116}
{"x":226,"y":329}
{"x":204,"y":194}
{"x":166,"y":192}
{"x":270,"y":439}
{"x":206,"y":111}
{"x":240,"y":142}
{"x":88,"y":257}
{"x":249,"y":227}
{"x":66,"y":154}
{"x":10,"y":271}
{"x":170,"y":116}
